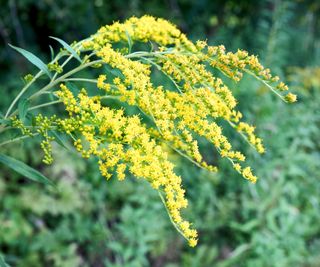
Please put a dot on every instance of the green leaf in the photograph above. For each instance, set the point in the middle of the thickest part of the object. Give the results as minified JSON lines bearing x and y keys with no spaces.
{"x":115,"y":72}
{"x":129,"y":41}
{"x":60,"y":139}
{"x":33,"y":59}
{"x":24,"y":170}
{"x":23,"y":108}
{"x":51,"y":52}
{"x":73,"y":88}
{"x":5,"y":121}
{"x":151,"y":46}
{"x":67,"y":47}
{"x":2,"y":262}
{"x":52,"y":96}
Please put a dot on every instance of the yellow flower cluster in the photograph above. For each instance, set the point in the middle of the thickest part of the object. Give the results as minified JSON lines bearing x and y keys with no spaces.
{"x":183,"y":114}
{"x":234,"y":65}
{"x":197,"y":99}
{"x":193,"y":104}
{"x":123,"y":144}
{"x":144,"y":29}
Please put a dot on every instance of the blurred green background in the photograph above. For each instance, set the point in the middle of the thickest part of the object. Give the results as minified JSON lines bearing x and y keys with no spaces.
{"x":91,"y":222}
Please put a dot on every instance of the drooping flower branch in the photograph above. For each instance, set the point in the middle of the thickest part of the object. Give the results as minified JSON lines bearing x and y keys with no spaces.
{"x":191,"y":103}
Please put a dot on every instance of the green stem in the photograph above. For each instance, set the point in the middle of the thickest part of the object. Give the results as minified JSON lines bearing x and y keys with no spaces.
{"x":81,"y":80}
{"x":23,"y":90}
{"x":147,"y":54}
{"x":17,"y":139}
{"x":110,"y":97}
{"x":160,"y":69}
{"x":45,"y":104}
{"x":61,"y":78}
{"x":242,"y":135}
{"x":186,"y":156}
{"x":174,"y":224}
{"x":63,"y":64}
{"x":266,"y":84}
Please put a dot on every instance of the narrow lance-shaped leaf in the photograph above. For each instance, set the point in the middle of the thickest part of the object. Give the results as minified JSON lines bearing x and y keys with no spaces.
{"x":23,"y":108}
{"x":73,"y":88}
{"x":129,"y":41}
{"x":51,"y":52}
{"x":24,"y":170}
{"x":67,"y":47}
{"x":2,"y":262}
{"x":5,"y":121}
{"x":59,"y":138}
{"x":33,"y":59}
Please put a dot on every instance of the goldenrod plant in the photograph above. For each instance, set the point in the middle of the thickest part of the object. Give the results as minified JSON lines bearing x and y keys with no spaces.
{"x":122,"y":60}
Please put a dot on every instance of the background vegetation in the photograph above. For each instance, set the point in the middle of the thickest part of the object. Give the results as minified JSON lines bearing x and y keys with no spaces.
{"x":91,"y":222}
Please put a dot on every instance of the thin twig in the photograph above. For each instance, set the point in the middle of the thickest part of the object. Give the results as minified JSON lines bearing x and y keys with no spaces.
{"x":17,"y":139}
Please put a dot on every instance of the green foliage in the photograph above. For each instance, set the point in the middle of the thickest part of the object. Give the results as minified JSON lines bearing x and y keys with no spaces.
{"x":87,"y":216}
{"x":68,"y":48}
{"x":24,"y":169}
{"x":33,"y":59}
{"x":23,"y":108}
